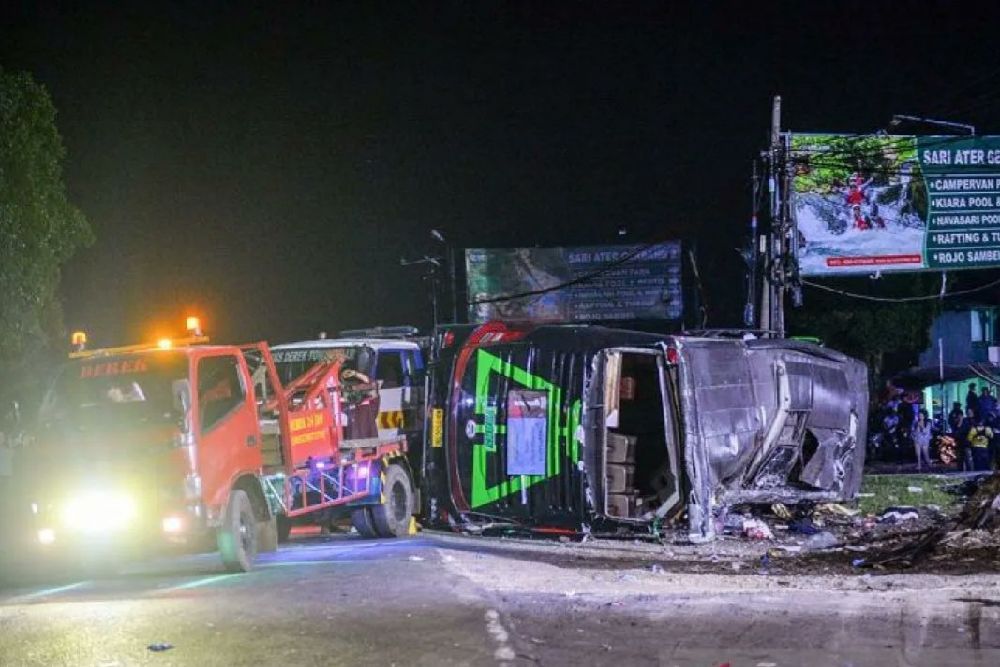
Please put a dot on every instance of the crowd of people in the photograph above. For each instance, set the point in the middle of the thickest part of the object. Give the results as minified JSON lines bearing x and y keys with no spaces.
{"x":968,"y":439}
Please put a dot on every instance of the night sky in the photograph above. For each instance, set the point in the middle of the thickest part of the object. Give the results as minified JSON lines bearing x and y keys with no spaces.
{"x":268,"y":165}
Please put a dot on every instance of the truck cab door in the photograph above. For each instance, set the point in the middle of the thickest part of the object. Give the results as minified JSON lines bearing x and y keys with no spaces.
{"x":225,"y":419}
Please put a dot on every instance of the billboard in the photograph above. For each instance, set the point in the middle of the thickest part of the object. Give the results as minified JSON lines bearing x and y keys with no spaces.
{"x":581,"y":284}
{"x":895,"y":203}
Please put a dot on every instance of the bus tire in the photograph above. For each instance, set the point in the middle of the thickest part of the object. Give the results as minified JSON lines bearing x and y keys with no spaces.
{"x":237,"y":536}
{"x":392,"y":517}
{"x":361,"y":519}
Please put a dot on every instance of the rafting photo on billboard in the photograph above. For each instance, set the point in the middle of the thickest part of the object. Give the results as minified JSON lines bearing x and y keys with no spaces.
{"x":859,"y":202}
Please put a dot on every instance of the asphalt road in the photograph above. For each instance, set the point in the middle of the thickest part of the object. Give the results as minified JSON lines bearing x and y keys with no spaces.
{"x":440,"y":600}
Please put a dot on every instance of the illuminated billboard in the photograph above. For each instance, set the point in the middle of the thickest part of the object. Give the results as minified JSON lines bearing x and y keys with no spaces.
{"x":895,"y":203}
{"x":582,"y":284}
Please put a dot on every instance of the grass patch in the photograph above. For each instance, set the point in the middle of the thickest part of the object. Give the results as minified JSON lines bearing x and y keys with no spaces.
{"x":892,"y":490}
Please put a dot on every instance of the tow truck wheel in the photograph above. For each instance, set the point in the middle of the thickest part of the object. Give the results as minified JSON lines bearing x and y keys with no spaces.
{"x":267,"y":535}
{"x":284,"y":528}
{"x":237,"y":536}
{"x":392,"y":517}
{"x":361,"y":519}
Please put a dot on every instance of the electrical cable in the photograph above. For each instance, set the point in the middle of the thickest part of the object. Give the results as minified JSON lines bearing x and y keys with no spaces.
{"x":904,"y":299}
{"x":610,"y":266}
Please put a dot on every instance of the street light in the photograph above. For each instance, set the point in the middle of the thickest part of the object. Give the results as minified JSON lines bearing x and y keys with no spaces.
{"x":898,"y":120}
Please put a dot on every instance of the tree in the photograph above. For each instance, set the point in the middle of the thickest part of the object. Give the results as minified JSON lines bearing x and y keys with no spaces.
{"x":886,"y":336}
{"x":39,"y":228}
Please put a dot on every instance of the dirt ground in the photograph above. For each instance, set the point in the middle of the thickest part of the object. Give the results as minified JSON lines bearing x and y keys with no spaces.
{"x":890,"y":515}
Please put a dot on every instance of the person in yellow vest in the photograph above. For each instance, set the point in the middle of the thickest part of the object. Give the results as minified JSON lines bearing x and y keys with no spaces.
{"x":979,"y":439}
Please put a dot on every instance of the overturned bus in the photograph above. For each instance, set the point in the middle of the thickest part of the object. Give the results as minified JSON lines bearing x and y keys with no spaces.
{"x":586,"y":428}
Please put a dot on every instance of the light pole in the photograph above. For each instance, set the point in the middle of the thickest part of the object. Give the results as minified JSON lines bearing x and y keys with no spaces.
{"x":898,"y":119}
{"x":434,"y":263}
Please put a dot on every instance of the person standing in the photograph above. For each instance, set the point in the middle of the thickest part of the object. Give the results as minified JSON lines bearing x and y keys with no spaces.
{"x":922,"y":439}
{"x":979,"y":438}
{"x":971,"y":398}
{"x":955,"y":417}
{"x":962,"y":440}
{"x":987,"y":404}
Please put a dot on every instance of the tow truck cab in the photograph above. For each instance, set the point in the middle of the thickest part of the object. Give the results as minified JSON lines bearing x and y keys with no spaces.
{"x":145,"y":446}
{"x":396,"y":365}
{"x":149,"y":445}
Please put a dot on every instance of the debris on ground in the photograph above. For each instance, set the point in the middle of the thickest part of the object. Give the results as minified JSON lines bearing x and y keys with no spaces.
{"x":781,"y":511}
{"x":822,"y":540}
{"x":160,"y":647}
{"x":981,"y":514}
{"x":899,"y":515}
{"x":805,"y":526}
{"x":756,"y":529}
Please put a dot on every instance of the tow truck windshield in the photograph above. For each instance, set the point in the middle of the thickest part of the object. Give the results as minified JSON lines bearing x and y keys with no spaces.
{"x":115,"y":390}
{"x":291,"y":363}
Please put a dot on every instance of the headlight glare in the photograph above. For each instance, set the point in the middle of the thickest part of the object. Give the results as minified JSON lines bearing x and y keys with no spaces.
{"x":98,"y":511}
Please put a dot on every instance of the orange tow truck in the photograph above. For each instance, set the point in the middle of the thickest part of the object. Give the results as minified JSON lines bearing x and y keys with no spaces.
{"x":201,"y":446}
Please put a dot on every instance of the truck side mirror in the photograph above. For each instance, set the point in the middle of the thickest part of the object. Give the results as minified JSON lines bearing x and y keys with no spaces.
{"x":181,"y":390}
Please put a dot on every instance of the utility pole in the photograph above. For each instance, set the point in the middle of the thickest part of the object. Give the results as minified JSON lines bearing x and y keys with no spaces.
{"x":771,"y":307}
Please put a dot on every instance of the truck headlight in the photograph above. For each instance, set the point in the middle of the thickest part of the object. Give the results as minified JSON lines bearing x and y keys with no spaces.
{"x":98,"y":511}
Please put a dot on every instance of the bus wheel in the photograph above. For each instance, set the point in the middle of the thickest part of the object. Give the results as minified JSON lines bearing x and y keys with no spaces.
{"x":392,"y":517}
{"x":237,"y":536}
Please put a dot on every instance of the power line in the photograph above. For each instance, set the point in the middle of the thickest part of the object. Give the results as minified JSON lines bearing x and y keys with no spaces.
{"x":904,"y":299}
{"x":610,"y":266}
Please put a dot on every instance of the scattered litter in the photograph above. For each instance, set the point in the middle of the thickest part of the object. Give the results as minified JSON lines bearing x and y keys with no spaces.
{"x":157,"y":648}
{"x":415,"y":559}
{"x":736,"y":565}
{"x":823,"y":540}
{"x":626,"y":577}
{"x":858,"y":562}
{"x":836,"y":509}
{"x":857,"y":548}
{"x":755,"y":529}
{"x":915,"y":489}
{"x":733,"y":523}
{"x":781,"y":511}
{"x":896,"y":516}
{"x":656,"y":568}
{"x":866,"y":495}
{"x":804,"y":525}
{"x":790,"y":548}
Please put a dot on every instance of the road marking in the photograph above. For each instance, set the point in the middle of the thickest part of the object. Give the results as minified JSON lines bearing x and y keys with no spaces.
{"x":289,"y":563}
{"x":45,"y":592}
{"x":205,"y":581}
{"x":504,"y":652}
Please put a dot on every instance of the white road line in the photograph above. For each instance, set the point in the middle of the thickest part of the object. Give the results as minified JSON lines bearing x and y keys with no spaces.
{"x":205,"y":581}
{"x":45,"y":592}
{"x":504,"y":653}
